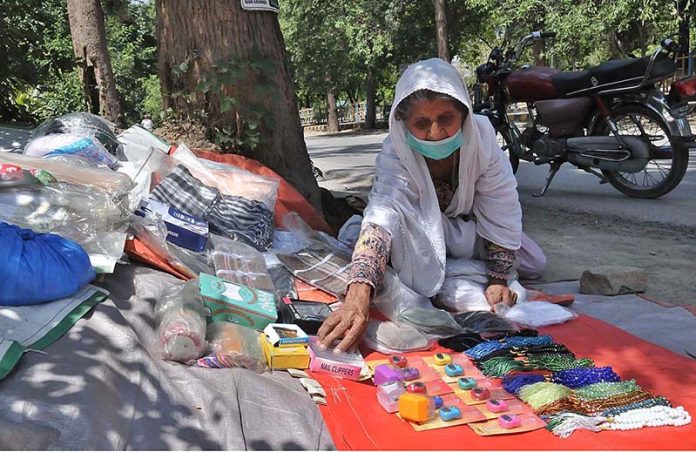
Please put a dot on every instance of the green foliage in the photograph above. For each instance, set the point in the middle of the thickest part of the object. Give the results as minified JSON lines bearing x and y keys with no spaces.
{"x":215,"y":103}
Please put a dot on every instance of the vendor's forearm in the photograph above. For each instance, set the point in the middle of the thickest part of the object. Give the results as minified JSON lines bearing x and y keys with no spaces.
{"x":499,"y":263}
{"x":370,"y":257}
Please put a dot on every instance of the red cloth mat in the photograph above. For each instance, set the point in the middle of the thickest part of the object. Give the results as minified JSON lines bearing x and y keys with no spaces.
{"x":356,"y":420}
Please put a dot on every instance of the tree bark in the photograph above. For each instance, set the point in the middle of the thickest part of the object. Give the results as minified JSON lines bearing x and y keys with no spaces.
{"x":332,"y":113}
{"x":370,"y":94}
{"x":441,"y":27}
{"x":203,"y":33}
{"x":684,"y":25}
{"x":88,"y":34}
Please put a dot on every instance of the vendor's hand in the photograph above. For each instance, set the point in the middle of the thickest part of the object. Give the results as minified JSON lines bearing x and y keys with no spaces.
{"x":499,"y":293}
{"x":349,"y":321}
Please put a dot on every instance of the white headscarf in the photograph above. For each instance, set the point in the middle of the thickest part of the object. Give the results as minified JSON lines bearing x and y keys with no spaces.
{"x":403,"y":199}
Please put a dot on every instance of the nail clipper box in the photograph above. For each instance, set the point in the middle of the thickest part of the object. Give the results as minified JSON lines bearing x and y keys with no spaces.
{"x":229,"y":302}
{"x":324,"y":360}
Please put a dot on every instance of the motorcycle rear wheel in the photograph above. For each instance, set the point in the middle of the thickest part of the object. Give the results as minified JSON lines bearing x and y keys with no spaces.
{"x":502,"y":141}
{"x":669,"y":157}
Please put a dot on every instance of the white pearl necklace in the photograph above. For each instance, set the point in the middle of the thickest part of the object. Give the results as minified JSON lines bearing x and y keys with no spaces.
{"x":655,"y":416}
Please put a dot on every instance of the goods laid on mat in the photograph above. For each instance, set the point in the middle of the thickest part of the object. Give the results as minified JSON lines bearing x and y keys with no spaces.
{"x":515,"y":383}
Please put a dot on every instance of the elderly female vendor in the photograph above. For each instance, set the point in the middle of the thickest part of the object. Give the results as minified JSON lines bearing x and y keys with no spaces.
{"x":443,"y":192}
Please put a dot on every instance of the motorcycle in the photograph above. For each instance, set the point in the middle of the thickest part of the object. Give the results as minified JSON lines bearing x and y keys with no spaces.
{"x":610,"y":120}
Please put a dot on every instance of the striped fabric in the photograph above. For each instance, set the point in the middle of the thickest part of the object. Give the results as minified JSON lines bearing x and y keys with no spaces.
{"x":186,"y":193}
{"x":242,"y":219}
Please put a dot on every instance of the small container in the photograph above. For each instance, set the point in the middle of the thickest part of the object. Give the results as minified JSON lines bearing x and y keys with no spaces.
{"x":453,"y":370}
{"x":385,"y":373}
{"x":398,"y":360}
{"x":496,"y":406}
{"x":466,"y":383}
{"x":480,"y":393}
{"x":410,"y":373}
{"x":450,"y":413}
{"x":388,"y":395}
{"x":509,"y":421}
{"x":442,"y":359}
{"x":416,"y":407}
{"x":417,"y":387}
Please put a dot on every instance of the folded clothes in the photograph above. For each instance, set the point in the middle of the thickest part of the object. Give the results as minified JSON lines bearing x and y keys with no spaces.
{"x":242,"y":219}
{"x":319,"y":267}
{"x":186,"y":193}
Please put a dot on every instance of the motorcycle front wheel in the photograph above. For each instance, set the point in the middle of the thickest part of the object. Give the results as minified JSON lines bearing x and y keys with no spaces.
{"x":504,"y":144}
{"x":669,"y":158}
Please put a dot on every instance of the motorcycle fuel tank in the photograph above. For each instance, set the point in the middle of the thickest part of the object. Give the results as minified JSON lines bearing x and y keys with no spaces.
{"x":531,"y":84}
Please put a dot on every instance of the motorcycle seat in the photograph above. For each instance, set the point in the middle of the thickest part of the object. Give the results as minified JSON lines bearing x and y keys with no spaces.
{"x":612,"y":75}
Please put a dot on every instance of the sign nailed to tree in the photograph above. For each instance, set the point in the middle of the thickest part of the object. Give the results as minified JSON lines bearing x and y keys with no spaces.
{"x":260,"y":5}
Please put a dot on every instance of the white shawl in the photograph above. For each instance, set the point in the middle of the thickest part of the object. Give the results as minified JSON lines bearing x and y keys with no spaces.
{"x":403,"y":199}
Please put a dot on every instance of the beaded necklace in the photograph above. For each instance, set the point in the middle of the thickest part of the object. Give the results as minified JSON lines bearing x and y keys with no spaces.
{"x":604,"y":390}
{"x":600,"y":405}
{"x":539,"y":394}
{"x":537,"y":349}
{"x":583,"y":376}
{"x":655,"y":401}
{"x":557,"y":362}
{"x":478,"y":352}
{"x":501,"y":366}
{"x":655,"y":416}
{"x":514,"y":383}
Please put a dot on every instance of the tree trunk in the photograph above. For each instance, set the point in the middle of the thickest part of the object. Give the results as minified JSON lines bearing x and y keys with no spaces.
{"x":89,"y":44}
{"x":194,"y":36}
{"x":332,"y":113}
{"x":684,"y":26}
{"x":441,"y":27}
{"x":370,"y":107}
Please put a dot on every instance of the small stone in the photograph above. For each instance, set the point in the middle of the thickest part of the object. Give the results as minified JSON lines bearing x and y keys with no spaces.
{"x":613,"y":280}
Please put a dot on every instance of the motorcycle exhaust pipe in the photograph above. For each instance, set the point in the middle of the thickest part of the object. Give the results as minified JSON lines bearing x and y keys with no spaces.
{"x":607,"y":153}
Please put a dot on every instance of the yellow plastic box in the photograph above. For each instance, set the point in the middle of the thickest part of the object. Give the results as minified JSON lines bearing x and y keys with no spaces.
{"x":280,"y":358}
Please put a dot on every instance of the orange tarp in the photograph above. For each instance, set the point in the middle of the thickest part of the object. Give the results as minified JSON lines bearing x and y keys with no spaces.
{"x":356,"y":421}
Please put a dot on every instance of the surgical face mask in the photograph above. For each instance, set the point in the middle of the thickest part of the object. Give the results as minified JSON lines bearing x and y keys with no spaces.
{"x":436,"y":150}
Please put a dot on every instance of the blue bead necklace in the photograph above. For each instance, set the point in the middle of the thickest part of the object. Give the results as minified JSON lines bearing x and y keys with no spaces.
{"x":584,"y":376}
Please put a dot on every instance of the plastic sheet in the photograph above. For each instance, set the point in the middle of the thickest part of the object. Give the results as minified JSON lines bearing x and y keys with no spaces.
{"x":38,"y":268}
{"x":233,"y":345}
{"x":82,"y":124}
{"x":181,"y":323}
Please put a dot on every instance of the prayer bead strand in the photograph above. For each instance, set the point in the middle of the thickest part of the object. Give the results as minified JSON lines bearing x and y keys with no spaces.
{"x":605,"y":390}
{"x":513,"y":384}
{"x":543,"y":393}
{"x":655,"y":401}
{"x":656,"y":416}
{"x":584,"y":376}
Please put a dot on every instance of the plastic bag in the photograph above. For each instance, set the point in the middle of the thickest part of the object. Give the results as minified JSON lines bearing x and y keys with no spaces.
{"x":400,"y":304}
{"x":137,"y":143}
{"x":240,"y":264}
{"x":82,"y":124}
{"x":233,"y":345}
{"x":181,"y":324}
{"x":228,"y":179}
{"x":115,"y":183}
{"x":484,"y":322}
{"x":68,"y":145}
{"x":83,"y":214}
{"x":539,"y":313}
{"x":37,"y":268}
{"x":388,"y":337}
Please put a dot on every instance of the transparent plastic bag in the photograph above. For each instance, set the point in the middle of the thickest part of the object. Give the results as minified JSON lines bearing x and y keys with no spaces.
{"x":240,"y":264}
{"x":539,"y":313}
{"x":228,"y":179}
{"x":181,"y":324}
{"x":82,"y":214}
{"x":68,"y":145}
{"x":82,"y":124}
{"x":389,"y":337}
{"x":115,"y":183}
{"x":232,"y":345}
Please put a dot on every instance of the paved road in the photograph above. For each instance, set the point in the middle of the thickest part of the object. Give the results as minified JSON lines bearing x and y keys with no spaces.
{"x":348,"y":163}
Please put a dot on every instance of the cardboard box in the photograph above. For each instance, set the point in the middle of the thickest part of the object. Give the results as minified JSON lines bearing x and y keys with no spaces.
{"x":285,"y":335}
{"x":229,"y":302}
{"x":284,"y":357}
{"x":182,"y":229}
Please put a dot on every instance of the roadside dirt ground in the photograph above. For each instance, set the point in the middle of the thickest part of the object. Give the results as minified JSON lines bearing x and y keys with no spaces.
{"x":574,"y":242}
